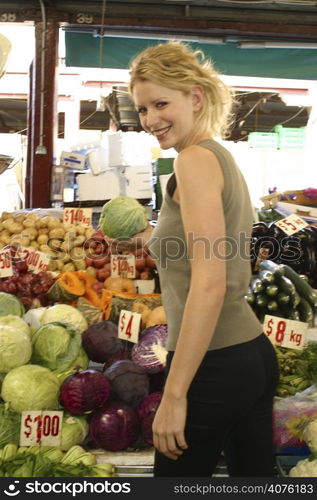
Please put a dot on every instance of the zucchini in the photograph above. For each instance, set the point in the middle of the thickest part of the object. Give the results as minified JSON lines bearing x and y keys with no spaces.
{"x":272,"y":305}
{"x":306,"y":313}
{"x":250,"y":297}
{"x":257,"y":286}
{"x":287,"y":286}
{"x":271,"y":290}
{"x":294,"y":314}
{"x":303,"y":287}
{"x":266,"y":276}
{"x":283,"y":298}
{"x":261,"y":300}
{"x":269,"y":265}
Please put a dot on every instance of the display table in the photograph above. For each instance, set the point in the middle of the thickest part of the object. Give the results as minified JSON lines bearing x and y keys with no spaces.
{"x":129,"y":463}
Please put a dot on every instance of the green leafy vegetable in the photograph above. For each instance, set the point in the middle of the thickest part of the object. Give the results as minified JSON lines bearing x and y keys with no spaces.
{"x":66,"y":314}
{"x":122,"y":217}
{"x":10,"y":304}
{"x":15,"y":348}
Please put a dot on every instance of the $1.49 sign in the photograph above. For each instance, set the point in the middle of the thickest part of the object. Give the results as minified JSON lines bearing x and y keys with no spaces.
{"x":129,"y":325}
{"x":78,"y":215}
{"x":123,"y":266}
{"x":41,"y":428}
{"x":5,"y":264}
{"x":285,"y":332}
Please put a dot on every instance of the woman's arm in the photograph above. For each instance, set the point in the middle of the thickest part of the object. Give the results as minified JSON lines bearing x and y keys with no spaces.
{"x":138,"y":240}
{"x":200,"y":185}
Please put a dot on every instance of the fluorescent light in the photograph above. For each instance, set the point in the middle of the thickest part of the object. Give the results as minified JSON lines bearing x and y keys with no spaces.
{"x":277,"y":45}
{"x":159,"y":36}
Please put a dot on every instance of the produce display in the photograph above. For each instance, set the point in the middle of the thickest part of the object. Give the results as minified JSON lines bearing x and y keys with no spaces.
{"x":298,"y":251}
{"x":298,"y":369}
{"x":278,"y":290}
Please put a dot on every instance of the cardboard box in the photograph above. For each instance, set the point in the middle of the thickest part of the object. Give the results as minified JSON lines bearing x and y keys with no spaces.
{"x":77,"y":161}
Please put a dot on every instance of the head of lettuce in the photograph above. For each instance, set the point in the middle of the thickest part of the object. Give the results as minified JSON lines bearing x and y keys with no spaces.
{"x":122,"y":217}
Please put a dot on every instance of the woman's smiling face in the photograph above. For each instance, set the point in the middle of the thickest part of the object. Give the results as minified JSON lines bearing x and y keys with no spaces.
{"x":166,"y":113}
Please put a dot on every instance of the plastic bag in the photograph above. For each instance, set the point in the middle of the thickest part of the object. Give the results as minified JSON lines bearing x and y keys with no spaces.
{"x":290,"y":415}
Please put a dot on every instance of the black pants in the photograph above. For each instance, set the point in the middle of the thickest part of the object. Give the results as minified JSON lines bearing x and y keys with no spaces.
{"x":229,"y":409}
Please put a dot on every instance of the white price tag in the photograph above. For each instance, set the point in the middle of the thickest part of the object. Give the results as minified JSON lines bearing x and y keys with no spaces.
{"x":5,"y":264}
{"x":285,"y":332}
{"x":41,"y":428}
{"x":36,"y":261}
{"x":123,"y":266}
{"x":78,"y":215}
{"x":129,"y":325}
{"x":291,"y":224}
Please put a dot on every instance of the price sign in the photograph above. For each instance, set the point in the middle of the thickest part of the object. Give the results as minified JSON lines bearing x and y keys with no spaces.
{"x":5,"y":264}
{"x":36,"y":261}
{"x":285,"y":332}
{"x":129,"y":325}
{"x":41,"y":428}
{"x":78,"y":215}
{"x":123,"y":266}
{"x":291,"y":224}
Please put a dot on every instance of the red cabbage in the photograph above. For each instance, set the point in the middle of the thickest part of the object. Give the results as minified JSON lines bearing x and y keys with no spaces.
{"x":146,"y":412}
{"x":129,"y":382}
{"x":115,"y":427}
{"x":150,"y":352}
{"x":101,"y":341}
{"x":84,"y":391}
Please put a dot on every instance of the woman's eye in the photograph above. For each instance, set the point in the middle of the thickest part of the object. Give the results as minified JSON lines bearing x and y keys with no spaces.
{"x":141,"y":111}
{"x":161,"y":104}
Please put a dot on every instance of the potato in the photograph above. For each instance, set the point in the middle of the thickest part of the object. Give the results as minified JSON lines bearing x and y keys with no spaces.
{"x":52,"y":265}
{"x":43,"y":230}
{"x":15,"y":228}
{"x":67,"y":245}
{"x":89,"y":232}
{"x":81,"y":229}
{"x":91,"y":270}
{"x":5,"y":237}
{"x":57,"y":232}
{"x":34,"y":244}
{"x":30,"y":232}
{"x":68,"y":267}
{"x":8,"y":222}
{"x":77,"y":253}
{"x":18,"y":240}
{"x":53,"y":223}
{"x":42,"y":239}
{"x":59,"y":265}
{"x":55,"y":243}
{"x":80,"y":265}
{"x":19,"y":218}
{"x":29,"y":221}
{"x":79,"y":241}
{"x":6,"y":215}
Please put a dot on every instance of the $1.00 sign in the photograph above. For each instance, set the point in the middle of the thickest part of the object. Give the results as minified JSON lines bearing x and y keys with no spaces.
{"x":41,"y":428}
{"x":285,"y":332}
{"x":129,"y":325}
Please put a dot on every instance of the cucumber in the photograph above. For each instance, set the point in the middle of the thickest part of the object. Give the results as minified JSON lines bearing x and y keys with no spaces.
{"x":269,"y":265}
{"x":303,"y":287}
{"x":271,"y":290}
{"x":306,"y":313}
{"x":261,"y":300}
{"x":294,"y":314}
{"x":250,"y":297}
{"x":286,"y":285}
{"x":283,"y":298}
{"x":257,"y":286}
{"x":266,"y":276}
{"x":272,"y":305}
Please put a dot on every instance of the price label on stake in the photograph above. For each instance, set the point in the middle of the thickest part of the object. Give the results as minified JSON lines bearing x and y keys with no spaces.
{"x":291,"y":224}
{"x":36,"y":261}
{"x":41,"y":428}
{"x":129,"y":325}
{"x":5,"y":264}
{"x":82,"y":216}
{"x":123,"y":266}
{"x":285,"y":332}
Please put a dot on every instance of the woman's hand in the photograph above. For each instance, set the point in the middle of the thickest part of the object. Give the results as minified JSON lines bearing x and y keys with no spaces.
{"x":168,"y":427}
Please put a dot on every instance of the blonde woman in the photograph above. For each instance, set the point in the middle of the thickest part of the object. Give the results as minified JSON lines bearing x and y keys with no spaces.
{"x":221,"y":369}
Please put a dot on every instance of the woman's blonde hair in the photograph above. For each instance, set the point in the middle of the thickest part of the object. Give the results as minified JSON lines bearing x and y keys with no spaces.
{"x":175,"y":65}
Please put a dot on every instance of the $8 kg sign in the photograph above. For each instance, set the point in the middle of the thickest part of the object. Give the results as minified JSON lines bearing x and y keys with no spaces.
{"x":41,"y":428}
{"x":285,"y":332}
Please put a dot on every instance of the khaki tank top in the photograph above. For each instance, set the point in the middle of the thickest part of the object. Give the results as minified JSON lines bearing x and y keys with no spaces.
{"x":237,"y":322}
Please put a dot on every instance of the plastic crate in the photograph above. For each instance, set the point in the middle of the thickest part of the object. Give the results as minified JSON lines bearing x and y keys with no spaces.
{"x":290,"y":138}
{"x":263,"y":140}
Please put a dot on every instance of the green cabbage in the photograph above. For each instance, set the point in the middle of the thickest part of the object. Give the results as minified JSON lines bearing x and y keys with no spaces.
{"x":33,"y":316}
{"x":30,"y":387}
{"x":16,"y":322}
{"x":122,"y":217}
{"x":10,"y":304}
{"x":66,"y":314}
{"x":74,"y":430}
{"x":80,"y":363}
{"x":10,"y":423}
{"x":56,"y":345}
{"x":15,"y":348}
